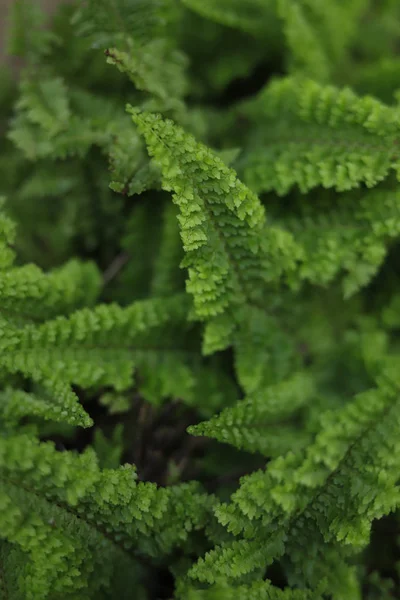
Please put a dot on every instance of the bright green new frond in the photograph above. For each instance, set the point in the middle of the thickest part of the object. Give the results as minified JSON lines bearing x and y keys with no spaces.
{"x":294,"y":497}
{"x":220,"y":219}
{"x":263,"y":422}
{"x":311,"y":135}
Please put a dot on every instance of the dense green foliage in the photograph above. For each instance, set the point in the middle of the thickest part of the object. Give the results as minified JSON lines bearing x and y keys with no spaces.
{"x":200,"y":301}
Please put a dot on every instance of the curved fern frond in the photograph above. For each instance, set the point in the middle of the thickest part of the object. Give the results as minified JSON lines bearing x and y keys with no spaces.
{"x":220,"y":218}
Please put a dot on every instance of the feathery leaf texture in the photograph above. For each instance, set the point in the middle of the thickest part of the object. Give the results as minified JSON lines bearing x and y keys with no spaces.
{"x":219,"y":217}
{"x":262,"y":423}
{"x":348,"y":235}
{"x":291,"y":505}
{"x":312,"y":135}
{"x":60,"y":509}
{"x":217,"y":313}
{"x":101,"y":346}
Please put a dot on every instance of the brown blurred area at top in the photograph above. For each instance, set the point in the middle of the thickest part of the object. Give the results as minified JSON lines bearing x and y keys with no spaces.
{"x":5,"y":5}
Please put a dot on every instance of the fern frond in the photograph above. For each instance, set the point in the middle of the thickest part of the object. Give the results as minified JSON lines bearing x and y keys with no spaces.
{"x":349,"y":234}
{"x":60,"y":508}
{"x":292,"y":504}
{"x":58,"y":406}
{"x":307,"y":53}
{"x":52,"y":121}
{"x":263,"y":422}
{"x":312,"y":135}
{"x":100,"y":346}
{"x":28,"y":293}
{"x":35,"y":144}
{"x":228,"y":259}
{"x":220,"y":218}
